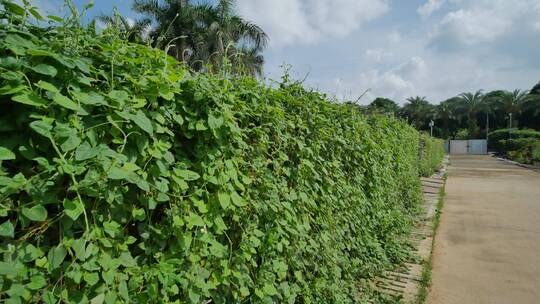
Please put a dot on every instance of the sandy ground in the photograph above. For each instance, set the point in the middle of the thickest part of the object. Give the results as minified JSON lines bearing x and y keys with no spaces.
{"x":488,"y":245}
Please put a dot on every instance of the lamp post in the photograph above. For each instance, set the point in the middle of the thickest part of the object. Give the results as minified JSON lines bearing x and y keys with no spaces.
{"x":510,"y":129}
{"x":487,"y":126}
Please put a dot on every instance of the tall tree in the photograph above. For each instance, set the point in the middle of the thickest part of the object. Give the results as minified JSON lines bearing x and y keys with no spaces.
{"x":536,"y":89}
{"x":132,"y":31}
{"x":472,"y":104}
{"x":384,"y":106}
{"x":417,"y":111}
{"x":201,"y":34}
{"x":445,"y":112}
{"x":173,"y":21}
{"x":226,"y":30}
{"x":248,"y":61}
{"x":530,"y":117}
{"x":532,"y":101}
{"x":511,"y":103}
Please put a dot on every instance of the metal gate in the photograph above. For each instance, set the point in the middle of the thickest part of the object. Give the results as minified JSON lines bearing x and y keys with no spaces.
{"x":459,"y":147}
{"x":471,"y":146}
{"x":478,"y":146}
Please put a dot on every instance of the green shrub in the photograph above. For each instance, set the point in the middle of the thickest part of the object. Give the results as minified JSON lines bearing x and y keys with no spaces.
{"x":523,"y":150}
{"x":431,"y":154}
{"x":523,"y":147}
{"x":536,"y":153}
{"x":462,"y":134}
{"x":516,"y":144}
{"x":124,"y":178}
{"x":495,"y":137}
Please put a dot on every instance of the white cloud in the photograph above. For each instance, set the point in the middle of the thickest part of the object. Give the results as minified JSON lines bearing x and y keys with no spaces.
{"x":430,"y":7}
{"x":283,"y":20}
{"x":389,"y":85}
{"x":397,"y":83}
{"x":536,"y":22}
{"x":394,"y":37}
{"x":481,"y":21}
{"x":414,"y":67}
{"x":471,"y":27}
{"x":441,"y":76}
{"x":377,"y":55}
{"x":290,"y":22}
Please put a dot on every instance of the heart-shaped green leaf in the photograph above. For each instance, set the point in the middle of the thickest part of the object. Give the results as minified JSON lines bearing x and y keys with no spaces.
{"x":73,"y":208}
{"x":30,"y":99}
{"x":7,"y":229}
{"x":56,"y":256}
{"x":6,"y":154}
{"x":37,"y":213}
{"x":42,"y":127}
{"x":143,"y":122}
{"x":45,"y":69}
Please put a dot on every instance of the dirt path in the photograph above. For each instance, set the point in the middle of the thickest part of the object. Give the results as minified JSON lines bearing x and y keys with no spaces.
{"x":488,"y":244}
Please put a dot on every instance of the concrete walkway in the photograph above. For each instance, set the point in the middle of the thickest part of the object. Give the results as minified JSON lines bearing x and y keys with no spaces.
{"x":488,"y":245}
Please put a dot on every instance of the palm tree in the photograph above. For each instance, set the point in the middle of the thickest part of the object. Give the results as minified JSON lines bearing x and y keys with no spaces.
{"x":472,"y":104}
{"x":445,"y":112}
{"x":174,"y":22}
{"x":247,"y":61}
{"x":532,"y":101}
{"x":536,"y":89}
{"x":417,"y":111}
{"x":512,"y":103}
{"x":383,"y":106}
{"x":132,"y":31}
{"x":204,"y":33}
{"x":226,"y":30}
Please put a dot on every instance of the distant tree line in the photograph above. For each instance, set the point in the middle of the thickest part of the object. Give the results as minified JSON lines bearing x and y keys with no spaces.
{"x":467,"y":115}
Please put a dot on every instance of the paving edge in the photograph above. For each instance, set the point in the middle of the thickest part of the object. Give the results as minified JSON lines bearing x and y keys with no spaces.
{"x":411,"y":281}
{"x":513,"y":162}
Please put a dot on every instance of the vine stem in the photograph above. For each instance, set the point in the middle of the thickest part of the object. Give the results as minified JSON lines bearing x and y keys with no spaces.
{"x":74,"y":180}
{"x":105,"y":123}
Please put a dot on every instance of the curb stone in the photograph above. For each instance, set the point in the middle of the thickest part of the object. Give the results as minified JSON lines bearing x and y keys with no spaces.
{"x":531,"y":167}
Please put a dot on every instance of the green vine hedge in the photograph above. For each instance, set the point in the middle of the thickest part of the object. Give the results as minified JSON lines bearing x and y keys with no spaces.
{"x":124,"y":178}
{"x":497,"y":138}
{"x":431,"y":154}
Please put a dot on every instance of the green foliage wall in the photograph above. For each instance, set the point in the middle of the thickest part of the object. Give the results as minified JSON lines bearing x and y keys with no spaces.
{"x":524,"y":150}
{"x":431,"y":154}
{"x":496,"y":137}
{"x":123,"y":178}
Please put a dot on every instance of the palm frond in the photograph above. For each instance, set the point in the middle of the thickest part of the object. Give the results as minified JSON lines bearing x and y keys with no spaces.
{"x":251,"y":32}
{"x":147,"y":7}
{"x":225,"y":7}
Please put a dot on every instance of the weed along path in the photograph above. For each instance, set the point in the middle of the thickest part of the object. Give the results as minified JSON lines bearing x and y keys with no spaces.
{"x":487,"y":248}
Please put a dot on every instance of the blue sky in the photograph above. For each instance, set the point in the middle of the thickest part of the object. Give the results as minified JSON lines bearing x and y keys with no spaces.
{"x":394,"y":48}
